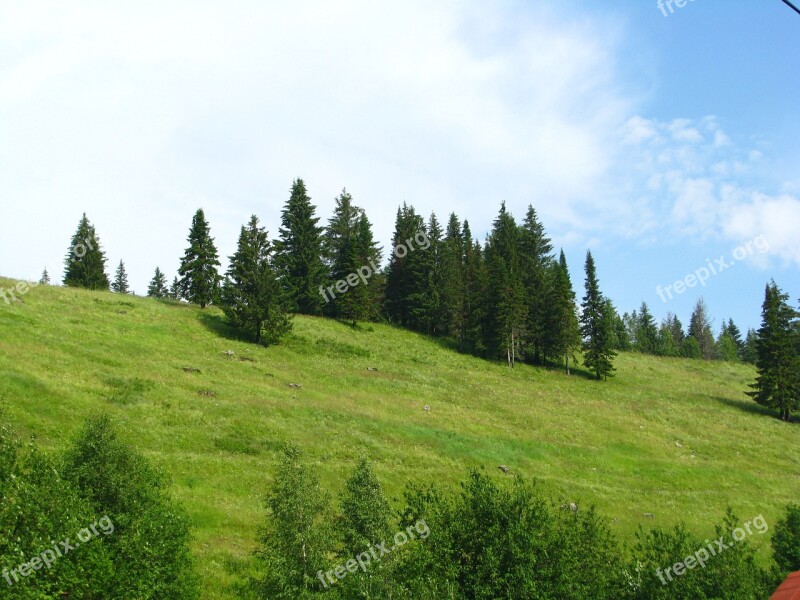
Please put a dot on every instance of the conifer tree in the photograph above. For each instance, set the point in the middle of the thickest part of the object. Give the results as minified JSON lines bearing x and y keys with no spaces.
{"x":536,"y":256}
{"x":735,"y":334}
{"x":199,"y":281}
{"x":45,"y":278}
{"x":750,"y":347}
{"x":507,"y":309}
{"x":646,"y":331}
{"x":158,"y":285}
{"x":700,"y":330}
{"x":778,"y":382}
{"x":475,"y":294}
{"x":361,"y":301}
{"x":337,"y":245}
{"x":175,"y":289}
{"x":406,"y":274}
{"x":427,"y":307}
{"x":85,"y":262}
{"x":596,"y":325}
{"x":563,"y":336}
{"x":120,"y":283}
{"x":298,"y":253}
{"x":452,"y":279}
{"x":252,"y":297}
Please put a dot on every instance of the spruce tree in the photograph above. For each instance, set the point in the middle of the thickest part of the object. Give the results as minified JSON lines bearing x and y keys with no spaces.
{"x":337,"y":245}
{"x":700,"y":330}
{"x":507,"y":310}
{"x":361,"y":301}
{"x":252,"y":297}
{"x":85,"y":262}
{"x":120,"y":283}
{"x":407,"y":273}
{"x":646,"y":331}
{"x":158,"y":285}
{"x":426,"y":298}
{"x":735,"y":334}
{"x":452,"y":279}
{"x":476,"y":281}
{"x":750,"y":347}
{"x":45,"y":278}
{"x":778,"y":382}
{"x":199,"y":281}
{"x":298,"y":253}
{"x":596,"y":325}
{"x":562,"y":336}
{"x":175,"y":289}
{"x":536,"y":256}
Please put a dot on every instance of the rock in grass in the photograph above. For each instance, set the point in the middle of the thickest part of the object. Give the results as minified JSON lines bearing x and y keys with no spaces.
{"x":504,"y":468}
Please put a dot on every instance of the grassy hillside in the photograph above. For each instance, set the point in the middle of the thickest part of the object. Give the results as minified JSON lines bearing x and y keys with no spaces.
{"x":675,"y":438}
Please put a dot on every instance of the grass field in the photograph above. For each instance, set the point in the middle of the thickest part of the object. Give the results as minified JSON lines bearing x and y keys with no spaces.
{"x":671,"y":437}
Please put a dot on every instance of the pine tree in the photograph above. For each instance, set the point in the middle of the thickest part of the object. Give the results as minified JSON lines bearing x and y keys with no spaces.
{"x":120,"y":283}
{"x":700,"y":330}
{"x":430,"y":314}
{"x":670,"y":336}
{"x":736,"y":335}
{"x":85,"y":262}
{"x":298,"y":253}
{"x":158,"y":285}
{"x":646,"y":331}
{"x":563,"y":336}
{"x":361,"y":301}
{"x":778,"y":382}
{"x":45,"y":278}
{"x":199,"y":281}
{"x":536,"y":256}
{"x":507,"y":310}
{"x":596,"y":326}
{"x":175,"y":289}
{"x":452,"y":279}
{"x":337,"y":245}
{"x":750,"y":349}
{"x":252,"y":297}
{"x":475,"y":294}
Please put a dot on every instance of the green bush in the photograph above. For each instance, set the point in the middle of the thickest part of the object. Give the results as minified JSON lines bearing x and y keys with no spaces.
{"x":786,"y":541}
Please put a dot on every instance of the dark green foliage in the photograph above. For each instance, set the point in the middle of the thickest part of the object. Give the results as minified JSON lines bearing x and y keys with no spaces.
{"x":199,"y":281}
{"x":506,"y":306}
{"x":700,"y":330}
{"x":732,"y":331}
{"x":506,"y":541}
{"x":750,"y":347}
{"x":175,"y":289}
{"x":536,"y":257}
{"x":45,"y":278}
{"x":621,"y":334}
{"x":158,"y":285}
{"x":778,"y":363}
{"x":120,"y":283}
{"x":427,"y":299}
{"x":731,"y":573}
{"x":476,"y":281}
{"x":691,"y":348}
{"x":597,"y":322}
{"x":786,"y":541}
{"x":85,"y":262}
{"x":298,"y":257}
{"x":452,"y":288}
{"x":726,"y":348}
{"x":645,"y":332}
{"x":252,"y":297}
{"x":562,"y":334}
{"x":150,"y":542}
{"x":295,"y":540}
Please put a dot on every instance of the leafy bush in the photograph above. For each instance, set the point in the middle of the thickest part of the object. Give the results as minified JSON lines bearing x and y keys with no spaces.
{"x":786,"y":541}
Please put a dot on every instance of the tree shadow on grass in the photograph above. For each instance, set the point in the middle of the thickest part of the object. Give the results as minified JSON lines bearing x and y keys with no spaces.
{"x":217,"y":324}
{"x":748,"y":406}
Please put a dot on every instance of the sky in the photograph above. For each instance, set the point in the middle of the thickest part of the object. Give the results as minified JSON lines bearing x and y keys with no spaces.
{"x":663,"y":139}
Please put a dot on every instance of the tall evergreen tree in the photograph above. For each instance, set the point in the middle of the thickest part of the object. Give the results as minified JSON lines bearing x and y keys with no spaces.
{"x":476,"y":281}
{"x":646,"y":331}
{"x":596,"y":325}
{"x":750,"y":348}
{"x":85,"y":262}
{"x":536,"y":256}
{"x":563,"y":335}
{"x":778,"y":382}
{"x":120,"y":283}
{"x":252,"y":297}
{"x":404,"y":274}
{"x":198,"y":271}
{"x":158,"y":285}
{"x":298,"y":253}
{"x":45,"y":278}
{"x":361,"y":302}
{"x":337,"y":244}
{"x":507,"y":310}
{"x":175,"y":289}
{"x":735,"y":334}
{"x":452,"y":279}
{"x":700,"y":329}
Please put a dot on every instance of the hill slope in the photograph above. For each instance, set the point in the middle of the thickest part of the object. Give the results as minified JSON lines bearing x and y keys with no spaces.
{"x":670,"y":437}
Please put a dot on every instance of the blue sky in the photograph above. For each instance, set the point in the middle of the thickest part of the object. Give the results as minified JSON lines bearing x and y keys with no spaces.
{"x":661,"y":143}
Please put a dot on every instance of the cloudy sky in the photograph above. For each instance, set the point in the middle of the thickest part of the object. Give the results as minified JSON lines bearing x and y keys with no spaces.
{"x":660,"y":142}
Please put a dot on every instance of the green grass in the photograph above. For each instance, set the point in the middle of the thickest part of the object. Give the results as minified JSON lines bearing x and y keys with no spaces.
{"x":675,"y":438}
